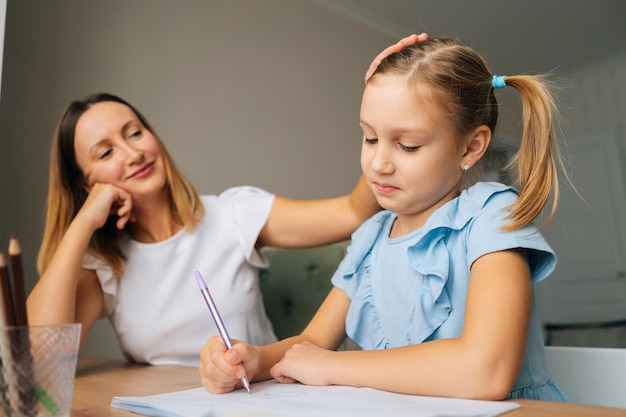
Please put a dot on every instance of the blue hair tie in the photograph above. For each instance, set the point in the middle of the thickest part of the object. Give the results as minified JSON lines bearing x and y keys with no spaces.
{"x":498,"y":81}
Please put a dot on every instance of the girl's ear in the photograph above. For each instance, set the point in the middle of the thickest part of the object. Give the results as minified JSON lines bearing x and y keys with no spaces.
{"x":476,"y":145}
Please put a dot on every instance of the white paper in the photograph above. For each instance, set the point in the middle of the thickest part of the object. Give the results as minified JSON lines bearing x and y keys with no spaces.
{"x":272,"y":399}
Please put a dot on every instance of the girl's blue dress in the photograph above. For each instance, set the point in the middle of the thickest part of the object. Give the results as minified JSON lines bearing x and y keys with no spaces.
{"x":412,"y":289}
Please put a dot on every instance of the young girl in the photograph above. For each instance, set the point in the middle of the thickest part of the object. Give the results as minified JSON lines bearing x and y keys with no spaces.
{"x":437,"y":289}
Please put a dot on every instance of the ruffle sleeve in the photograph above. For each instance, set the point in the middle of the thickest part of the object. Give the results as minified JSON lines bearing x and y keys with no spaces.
{"x":353,"y":277}
{"x":108,"y":282}
{"x":251,"y":207}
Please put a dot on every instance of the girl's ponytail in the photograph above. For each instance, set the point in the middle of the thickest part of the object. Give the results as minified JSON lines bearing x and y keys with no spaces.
{"x":538,"y":155}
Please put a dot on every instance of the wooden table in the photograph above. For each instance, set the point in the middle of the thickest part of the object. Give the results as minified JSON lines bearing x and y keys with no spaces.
{"x":99,"y":380}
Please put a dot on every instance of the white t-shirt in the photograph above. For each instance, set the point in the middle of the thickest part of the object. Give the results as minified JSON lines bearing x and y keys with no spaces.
{"x":156,"y":307}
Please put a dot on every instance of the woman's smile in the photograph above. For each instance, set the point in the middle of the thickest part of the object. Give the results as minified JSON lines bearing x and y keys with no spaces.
{"x":143,"y":171}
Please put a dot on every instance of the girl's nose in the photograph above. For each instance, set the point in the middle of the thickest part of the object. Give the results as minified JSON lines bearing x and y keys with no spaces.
{"x":381,"y":163}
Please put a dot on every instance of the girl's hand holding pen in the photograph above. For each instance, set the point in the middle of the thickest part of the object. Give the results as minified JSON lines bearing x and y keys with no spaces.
{"x":103,"y":201}
{"x":221,"y":370}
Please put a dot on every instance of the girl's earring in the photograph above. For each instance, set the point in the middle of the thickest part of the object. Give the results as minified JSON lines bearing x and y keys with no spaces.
{"x":466,"y":168}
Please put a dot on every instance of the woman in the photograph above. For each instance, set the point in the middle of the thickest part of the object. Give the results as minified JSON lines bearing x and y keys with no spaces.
{"x":125,"y":231}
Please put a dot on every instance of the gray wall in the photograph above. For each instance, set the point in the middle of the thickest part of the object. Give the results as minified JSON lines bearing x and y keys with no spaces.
{"x":253,"y":92}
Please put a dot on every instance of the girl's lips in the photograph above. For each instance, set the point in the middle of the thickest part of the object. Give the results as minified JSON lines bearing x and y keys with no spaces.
{"x":145,"y":170}
{"x":385,"y":189}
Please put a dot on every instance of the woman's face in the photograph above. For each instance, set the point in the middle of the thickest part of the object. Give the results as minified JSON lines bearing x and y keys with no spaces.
{"x":112,"y":146}
{"x":410,"y":154}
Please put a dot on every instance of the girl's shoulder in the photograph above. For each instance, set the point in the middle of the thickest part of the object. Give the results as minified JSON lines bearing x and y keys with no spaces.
{"x":474,"y":201}
{"x":372,"y":226}
{"x":484,"y":194}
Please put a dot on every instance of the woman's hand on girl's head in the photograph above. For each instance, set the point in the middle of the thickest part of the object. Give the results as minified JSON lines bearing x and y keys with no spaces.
{"x":305,"y":363}
{"x":103,"y":201}
{"x":398,"y":46}
{"x":221,"y":370}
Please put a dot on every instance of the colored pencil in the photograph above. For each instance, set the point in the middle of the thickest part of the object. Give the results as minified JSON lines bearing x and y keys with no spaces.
{"x":14,"y":306}
{"x":8,"y":314}
{"x":7,"y":318}
{"x":17,"y":270}
{"x":21,"y":352}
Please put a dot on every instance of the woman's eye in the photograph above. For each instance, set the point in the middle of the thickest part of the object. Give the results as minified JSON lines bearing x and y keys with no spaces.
{"x":106,"y":153}
{"x":409,"y":148}
{"x":135,"y":134}
{"x":371,"y":141}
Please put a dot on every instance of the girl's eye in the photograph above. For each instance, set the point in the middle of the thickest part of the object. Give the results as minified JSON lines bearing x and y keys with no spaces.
{"x":135,"y":134}
{"x":106,"y":153}
{"x":409,"y":148}
{"x":371,"y":141}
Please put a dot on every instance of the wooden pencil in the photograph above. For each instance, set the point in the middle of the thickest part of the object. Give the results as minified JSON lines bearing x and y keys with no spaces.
{"x":22,"y":353}
{"x":7,"y":312}
{"x":17,"y":270}
{"x":7,"y":318}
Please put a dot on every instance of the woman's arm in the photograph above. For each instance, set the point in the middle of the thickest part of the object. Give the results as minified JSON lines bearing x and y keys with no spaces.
{"x":483,"y":363}
{"x":304,"y":223}
{"x":66,"y":292}
{"x":296,"y":223}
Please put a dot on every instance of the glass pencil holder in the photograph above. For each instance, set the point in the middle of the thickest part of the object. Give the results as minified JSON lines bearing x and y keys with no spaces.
{"x":38,"y":367}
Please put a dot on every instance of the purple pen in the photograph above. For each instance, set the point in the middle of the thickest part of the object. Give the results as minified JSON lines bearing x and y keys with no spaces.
{"x":204,"y":290}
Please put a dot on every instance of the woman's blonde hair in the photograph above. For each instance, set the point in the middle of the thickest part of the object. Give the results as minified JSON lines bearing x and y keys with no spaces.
{"x":66,"y":193}
{"x":458,"y":79}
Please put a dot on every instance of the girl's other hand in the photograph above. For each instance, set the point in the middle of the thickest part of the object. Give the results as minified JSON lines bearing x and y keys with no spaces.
{"x":409,"y":40}
{"x":306,"y":363}
{"x":221,"y":370}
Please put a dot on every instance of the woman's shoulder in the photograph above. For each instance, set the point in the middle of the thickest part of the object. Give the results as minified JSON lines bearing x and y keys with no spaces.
{"x":234,"y":194}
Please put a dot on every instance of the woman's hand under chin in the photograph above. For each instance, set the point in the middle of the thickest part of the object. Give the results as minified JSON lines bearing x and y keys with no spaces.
{"x":103,"y":201}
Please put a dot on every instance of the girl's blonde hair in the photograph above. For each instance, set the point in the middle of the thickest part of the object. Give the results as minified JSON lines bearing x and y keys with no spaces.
{"x":66,"y":193}
{"x":458,"y":79}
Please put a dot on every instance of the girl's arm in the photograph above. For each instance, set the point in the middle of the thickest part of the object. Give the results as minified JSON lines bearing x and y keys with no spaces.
{"x":482,"y":364}
{"x":301,"y":223}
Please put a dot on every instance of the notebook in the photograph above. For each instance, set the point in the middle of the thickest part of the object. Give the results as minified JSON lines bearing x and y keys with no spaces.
{"x":274,"y":399}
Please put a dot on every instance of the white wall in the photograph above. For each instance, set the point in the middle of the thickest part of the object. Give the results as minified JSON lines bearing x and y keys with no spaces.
{"x":594,"y":99}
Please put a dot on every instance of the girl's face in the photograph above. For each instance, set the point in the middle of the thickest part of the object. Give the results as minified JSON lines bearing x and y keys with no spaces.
{"x":112,"y":146}
{"x":410,"y":155}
